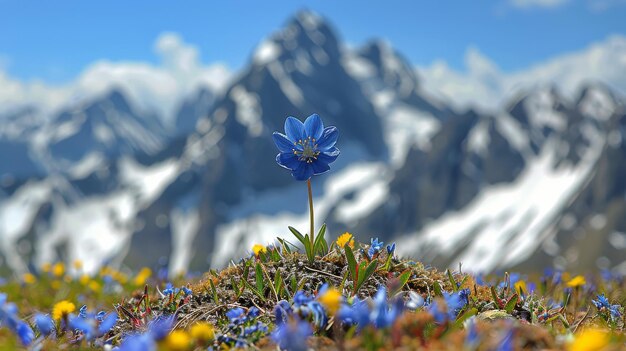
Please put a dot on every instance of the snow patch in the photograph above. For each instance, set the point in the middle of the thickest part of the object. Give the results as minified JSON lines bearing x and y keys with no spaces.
{"x":248,"y":110}
{"x":505,"y":223}
{"x":267,"y":52}
{"x":405,"y":127}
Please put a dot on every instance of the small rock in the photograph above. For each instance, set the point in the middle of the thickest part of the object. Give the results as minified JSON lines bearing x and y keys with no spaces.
{"x":493,"y":315}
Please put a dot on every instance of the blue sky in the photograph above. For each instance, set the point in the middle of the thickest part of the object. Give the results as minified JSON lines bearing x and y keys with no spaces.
{"x":55,"y":41}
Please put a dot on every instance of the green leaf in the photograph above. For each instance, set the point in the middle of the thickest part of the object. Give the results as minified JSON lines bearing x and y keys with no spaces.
{"x":455,"y":288}
{"x":319,"y":239}
{"x":496,"y":299}
{"x":437,"y":288}
{"x":309,"y":250}
{"x":259,"y":278}
{"x":365,"y":273}
{"x":297,"y":234}
{"x":278,"y":283}
{"x":510,"y":305}
{"x":213,"y":290}
{"x":462,"y":318}
{"x":293,"y":283}
{"x":351,"y":262}
{"x":403,"y":278}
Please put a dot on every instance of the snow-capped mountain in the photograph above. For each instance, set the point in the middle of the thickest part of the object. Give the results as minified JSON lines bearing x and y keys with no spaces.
{"x":539,"y":183}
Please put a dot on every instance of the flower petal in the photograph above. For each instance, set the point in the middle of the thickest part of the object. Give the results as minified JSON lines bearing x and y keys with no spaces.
{"x":282,"y":143}
{"x":329,"y":156}
{"x":313,"y":126}
{"x":294,"y":129}
{"x":328,"y":138}
{"x":303,"y":172}
{"x":288,"y":160}
{"x":319,"y":167}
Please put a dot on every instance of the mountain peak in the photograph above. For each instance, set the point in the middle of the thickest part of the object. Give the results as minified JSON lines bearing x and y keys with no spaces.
{"x":305,"y":34}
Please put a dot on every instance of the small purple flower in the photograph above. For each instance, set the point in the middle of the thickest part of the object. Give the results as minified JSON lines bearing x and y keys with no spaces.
{"x":308,"y":148}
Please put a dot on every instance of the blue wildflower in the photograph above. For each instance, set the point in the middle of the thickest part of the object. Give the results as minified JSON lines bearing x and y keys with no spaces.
{"x":282,"y":311}
{"x":8,"y":317}
{"x":391,"y":249}
{"x":170,"y":290}
{"x":44,"y":323}
{"x":161,"y":327}
{"x":100,"y":316}
{"x":603,"y":304}
{"x":356,"y":314}
{"x":292,"y":336}
{"x":138,"y":342}
{"x":187,"y":291}
{"x":24,"y":332}
{"x":308,"y":148}
{"x":82,"y":311}
{"x":472,"y":338}
{"x":236,"y":315}
{"x":507,"y":341}
{"x":375,"y":247}
{"x":82,"y":325}
{"x":301,"y":298}
{"x":107,"y":323}
{"x":253,"y":312}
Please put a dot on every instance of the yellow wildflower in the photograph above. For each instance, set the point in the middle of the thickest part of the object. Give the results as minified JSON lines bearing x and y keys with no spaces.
{"x":345,"y":238}
{"x":46,"y":267}
{"x":142,"y":276}
{"x":590,"y":340}
{"x":577,"y":281}
{"x":78,"y":264}
{"x":178,"y":340}
{"x":84,"y":279}
{"x":62,"y":309}
{"x":202,"y":332}
{"x":55,"y":284}
{"x":29,"y":278}
{"x":258,"y":248}
{"x":520,"y":285}
{"x":94,"y":286}
{"x":331,"y":299}
{"x":58,"y":269}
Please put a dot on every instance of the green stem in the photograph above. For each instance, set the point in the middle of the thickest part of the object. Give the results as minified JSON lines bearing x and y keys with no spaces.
{"x":308,"y":184}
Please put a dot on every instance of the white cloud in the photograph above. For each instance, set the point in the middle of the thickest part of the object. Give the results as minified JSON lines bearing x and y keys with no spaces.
{"x":152,"y":87}
{"x":483,"y":84}
{"x":537,"y":3}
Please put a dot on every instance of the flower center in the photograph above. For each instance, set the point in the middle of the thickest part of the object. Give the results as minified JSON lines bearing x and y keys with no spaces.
{"x":309,"y":151}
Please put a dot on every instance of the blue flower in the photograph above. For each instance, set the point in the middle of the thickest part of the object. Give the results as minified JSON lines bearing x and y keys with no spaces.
{"x":391,"y":249}
{"x":44,"y":323}
{"x":138,"y":342}
{"x":603,"y":304}
{"x":472,"y":338}
{"x":161,"y":327}
{"x":308,"y":148}
{"x":236,"y":315}
{"x":107,"y":323}
{"x":24,"y":332}
{"x":375,"y":247}
{"x":292,"y":336}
